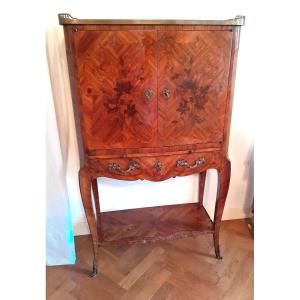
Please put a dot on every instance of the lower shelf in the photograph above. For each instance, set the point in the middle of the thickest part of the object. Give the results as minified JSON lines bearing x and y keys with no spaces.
{"x":154,"y":223}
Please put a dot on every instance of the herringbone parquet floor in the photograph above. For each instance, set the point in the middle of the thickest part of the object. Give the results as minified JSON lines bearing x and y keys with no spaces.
{"x":179,"y":269}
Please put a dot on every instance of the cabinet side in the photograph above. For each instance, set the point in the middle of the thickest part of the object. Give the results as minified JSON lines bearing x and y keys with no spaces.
{"x":230,"y":91}
{"x":70,"y":51}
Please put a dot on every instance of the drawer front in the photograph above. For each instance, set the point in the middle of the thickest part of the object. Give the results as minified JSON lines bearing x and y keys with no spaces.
{"x":154,"y":168}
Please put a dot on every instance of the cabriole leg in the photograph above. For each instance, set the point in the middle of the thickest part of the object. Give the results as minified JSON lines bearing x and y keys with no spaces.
{"x":223,"y":186}
{"x":98,"y":209}
{"x":85,"y":183}
{"x":96,"y":195}
{"x":202,"y":178}
{"x":95,"y":268}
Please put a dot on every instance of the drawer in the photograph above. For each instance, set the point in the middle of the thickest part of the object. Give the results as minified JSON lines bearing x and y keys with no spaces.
{"x":154,"y":168}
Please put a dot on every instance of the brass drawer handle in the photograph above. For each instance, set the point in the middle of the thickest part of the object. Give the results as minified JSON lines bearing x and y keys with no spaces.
{"x":114,"y":167}
{"x":166,"y":93}
{"x":148,"y":94}
{"x":184,"y":163}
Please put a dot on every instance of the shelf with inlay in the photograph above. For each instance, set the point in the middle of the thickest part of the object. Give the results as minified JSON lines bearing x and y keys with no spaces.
{"x":154,"y":223}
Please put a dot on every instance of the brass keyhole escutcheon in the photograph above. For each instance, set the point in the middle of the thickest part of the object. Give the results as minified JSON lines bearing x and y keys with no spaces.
{"x":158,"y":166}
{"x":166,"y":93}
{"x":148,"y":94}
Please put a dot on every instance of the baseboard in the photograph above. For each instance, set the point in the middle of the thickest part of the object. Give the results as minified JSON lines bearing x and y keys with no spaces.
{"x":231,"y":213}
{"x":82,"y":228}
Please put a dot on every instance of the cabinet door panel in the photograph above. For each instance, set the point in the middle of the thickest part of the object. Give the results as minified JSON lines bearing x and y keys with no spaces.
{"x":194,"y":68}
{"x":118,"y":83}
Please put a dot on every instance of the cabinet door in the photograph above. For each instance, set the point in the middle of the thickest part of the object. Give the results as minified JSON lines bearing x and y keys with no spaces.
{"x":192,"y":86}
{"x":117,"y":73}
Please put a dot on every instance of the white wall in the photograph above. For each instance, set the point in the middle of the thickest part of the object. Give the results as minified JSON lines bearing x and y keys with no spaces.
{"x":115,"y":194}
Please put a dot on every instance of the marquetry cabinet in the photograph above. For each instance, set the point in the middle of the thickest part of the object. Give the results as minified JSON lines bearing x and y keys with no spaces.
{"x":152,"y":100}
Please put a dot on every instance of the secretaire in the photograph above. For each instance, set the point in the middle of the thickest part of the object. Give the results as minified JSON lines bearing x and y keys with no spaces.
{"x":152,"y":100}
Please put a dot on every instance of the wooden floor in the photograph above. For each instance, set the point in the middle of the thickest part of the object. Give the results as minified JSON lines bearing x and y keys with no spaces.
{"x":179,"y":269}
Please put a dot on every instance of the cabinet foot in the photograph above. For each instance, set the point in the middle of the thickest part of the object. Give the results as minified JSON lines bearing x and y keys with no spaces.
{"x":218,"y":253}
{"x":95,"y":271}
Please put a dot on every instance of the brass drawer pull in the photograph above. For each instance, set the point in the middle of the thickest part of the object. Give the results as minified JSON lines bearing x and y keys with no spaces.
{"x":184,"y":163}
{"x":114,"y":167}
{"x":166,"y":93}
{"x":148,"y":94}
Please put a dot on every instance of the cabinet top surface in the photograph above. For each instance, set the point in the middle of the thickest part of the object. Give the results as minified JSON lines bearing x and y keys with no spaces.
{"x":67,"y":19}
